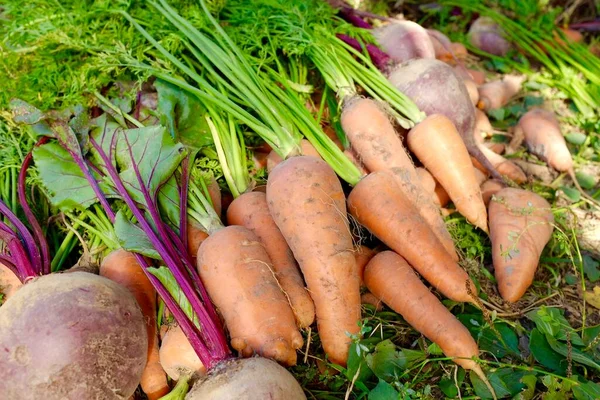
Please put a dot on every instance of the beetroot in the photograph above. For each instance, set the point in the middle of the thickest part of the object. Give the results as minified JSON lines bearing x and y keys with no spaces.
{"x":71,"y":336}
{"x":405,"y":40}
{"x":436,"y":88}
{"x":487,"y":35}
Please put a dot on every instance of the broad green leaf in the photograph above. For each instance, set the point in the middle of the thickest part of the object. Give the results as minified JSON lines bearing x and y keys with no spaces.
{"x":133,"y":238}
{"x":434,"y":349}
{"x":183,"y":115}
{"x":505,"y":382}
{"x":385,"y":362}
{"x":529,"y":391}
{"x":155,"y":155}
{"x":69,"y":189}
{"x":530,"y":101}
{"x":590,"y":334}
{"x":586,"y":181}
{"x":558,"y":389}
{"x":168,"y":202}
{"x":383,"y":391}
{"x":498,"y":114}
{"x":543,"y":353}
{"x":576,"y":138}
{"x":572,"y":194}
{"x":488,"y":340}
{"x":449,"y":386}
{"x":165,"y":276}
{"x":357,"y":364}
{"x":587,"y":391}
{"x":591,"y":267}
{"x":24,"y":112}
{"x":551,"y":321}
{"x":576,"y":355}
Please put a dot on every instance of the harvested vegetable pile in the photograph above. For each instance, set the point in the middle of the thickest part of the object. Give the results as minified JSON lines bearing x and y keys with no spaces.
{"x":233,"y":199}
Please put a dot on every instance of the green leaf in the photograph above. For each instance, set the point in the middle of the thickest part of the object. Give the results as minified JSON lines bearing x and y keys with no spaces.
{"x":488,"y":340}
{"x":576,"y":355}
{"x":586,"y":181}
{"x":165,"y":276}
{"x":132,"y":238}
{"x":587,"y":391}
{"x":591,"y":267}
{"x":183,"y":115}
{"x":24,"y":112}
{"x":530,"y":101}
{"x":543,"y":353}
{"x":69,"y":189}
{"x":434,"y":349}
{"x":498,"y":114}
{"x":590,"y":333}
{"x":551,"y":321}
{"x":505,"y":382}
{"x":449,"y":387}
{"x":557,"y":389}
{"x":357,"y":364}
{"x":572,"y":194}
{"x":529,"y":391}
{"x":155,"y":155}
{"x":385,"y":362}
{"x":576,"y":138}
{"x":383,"y":391}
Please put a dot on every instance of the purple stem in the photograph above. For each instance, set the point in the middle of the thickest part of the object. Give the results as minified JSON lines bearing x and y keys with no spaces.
{"x":8,"y":262}
{"x":349,"y":15}
{"x":210,"y":331}
{"x":138,"y":105}
{"x":19,"y":255}
{"x":41,"y":262}
{"x":378,"y":56}
{"x":24,"y":234}
{"x":591,"y":26}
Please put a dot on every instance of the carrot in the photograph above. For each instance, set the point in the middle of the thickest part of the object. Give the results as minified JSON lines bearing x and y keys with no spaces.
{"x":251,"y":211}
{"x":379,"y":204}
{"x":473,"y":91}
{"x":391,"y":279}
{"x":374,"y":139}
{"x":307,"y":203}
{"x":177,"y":356}
{"x":543,"y":137}
{"x":520,"y":227}
{"x":195,"y":236}
{"x":122,"y":267}
{"x":306,"y":149}
{"x":477,"y":76}
{"x":427,"y":181}
{"x":497,"y":94}
{"x":239,"y":278}
{"x":370,"y":298}
{"x":438,"y":145}
{"x":490,"y":188}
{"x":362,"y":254}
{"x":441,"y":196}
{"x":9,"y":283}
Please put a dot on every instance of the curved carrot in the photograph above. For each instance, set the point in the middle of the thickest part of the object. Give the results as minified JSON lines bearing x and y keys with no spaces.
{"x":520,"y":226}
{"x":122,"y":267}
{"x":438,"y":145}
{"x":391,"y":279}
{"x":251,"y":211}
{"x":379,"y":204}
{"x":374,"y":139}
{"x":239,"y":278}
{"x":307,"y":203}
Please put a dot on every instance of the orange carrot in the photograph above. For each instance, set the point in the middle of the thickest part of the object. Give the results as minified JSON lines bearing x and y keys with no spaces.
{"x":391,"y":279}
{"x":427,"y":181}
{"x":370,"y":298}
{"x":251,"y":211}
{"x":520,"y":227}
{"x":355,"y":159}
{"x":363,"y":255}
{"x":122,"y":267}
{"x":306,"y":149}
{"x":9,"y":282}
{"x":379,"y":204}
{"x":490,"y":188}
{"x":374,"y":139}
{"x":195,"y":236}
{"x":177,"y":356}
{"x":308,"y":205}
{"x":498,"y":93}
{"x":239,"y":278}
{"x":438,"y":145}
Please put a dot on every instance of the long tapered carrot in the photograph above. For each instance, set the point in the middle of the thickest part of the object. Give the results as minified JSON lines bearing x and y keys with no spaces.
{"x":307,"y":203}
{"x":373,"y":137}
{"x":251,"y":211}
{"x":378,"y":203}
{"x":438,"y":145}
{"x":239,"y":278}
{"x":122,"y":267}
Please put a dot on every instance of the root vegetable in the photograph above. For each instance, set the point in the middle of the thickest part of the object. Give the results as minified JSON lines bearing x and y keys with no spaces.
{"x":475,"y":75}
{"x":487,"y":35}
{"x":239,"y":278}
{"x":195,"y":236}
{"x":251,"y":211}
{"x":71,"y":335}
{"x":122,"y":267}
{"x":437,"y":89}
{"x":363,"y":254}
{"x":473,"y":91}
{"x":306,"y":149}
{"x":374,"y":138}
{"x":378,"y":203}
{"x":352,"y":156}
{"x":404,"y":40}
{"x":490,"y":188}
{"x":520,"y":227}
{"x":247,"y":379}
{"x":439,"y":147}
{"x":307,"y":203}
{"x":9,"y":283}
{"x":389,"y":277}
{"x":177,"y":356}
{"x":497,"y":94}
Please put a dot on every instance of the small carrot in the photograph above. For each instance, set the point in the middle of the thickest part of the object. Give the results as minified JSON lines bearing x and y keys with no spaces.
{"x":438,"y":145}
{"x":9,"y":283}
{"x":497,"y":94}
{"x":177,"y":356}
{"x":122,"y":267}
{"x":490,"y":188}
